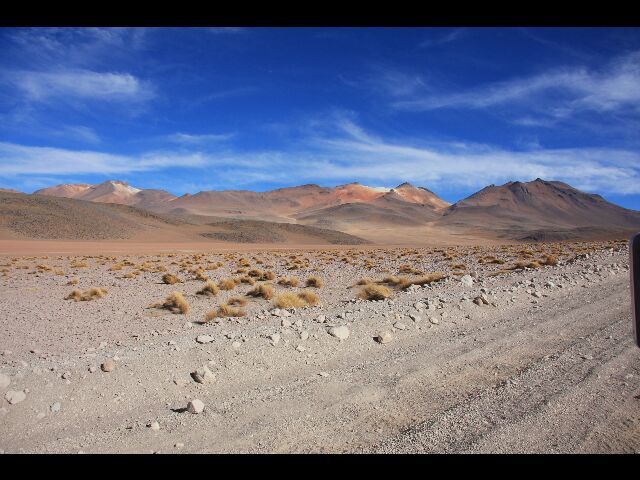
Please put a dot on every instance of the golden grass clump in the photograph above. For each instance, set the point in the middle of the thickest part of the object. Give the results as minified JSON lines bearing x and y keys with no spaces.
{"x":296,"y":300}
{"x":372,"y":291}
{"x":315,"y":282}
{"x":227,"y":284}
{"x":309,"y":297}
{"x":523,"y":264}
{"x":224,"y":310}
{"x":209,"y":288}
{"x":264,"y":290}
{"x":255,"y":273}
{"x":73,"y":281}
{"x":90,"y":294}
{"x":268,"y":276}
{"x":201,"y":276}
{"x":288,"y":282}
{"x":364,"y":281}
{"x":423,"y":279}
{"x":170,"y":279}
{"x":239,"y":301}
{"x":550,"y":260}
{"x":175,"y":303}
{"x":247,"y":279}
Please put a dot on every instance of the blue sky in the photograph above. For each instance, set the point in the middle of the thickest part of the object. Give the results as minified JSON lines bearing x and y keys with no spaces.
{"x":451,"y":109}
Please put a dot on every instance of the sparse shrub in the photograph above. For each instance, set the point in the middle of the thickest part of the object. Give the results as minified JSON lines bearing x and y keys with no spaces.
{"x":364,"y":281}
{"x":289,"y":282}
{"x":551,"y":260}
{"x":174,"y":303}
{"x":372,"y":291}
{"x":240,"y":301}
{"x":264,"y":290}
{"x":423,"y":279}
{"x":226,"y":284}
{"x":255,"y":273}
{"x":289,"y":300}
{"x":90,"y":294}
{"x":309,"y":297}
{"x":201,"y":276}
{"x":268,"y":276}
{"x":170,"y":279}
{"x":248,"y":280}
{"x":209,"y":288}
{"x":315,"y":282}
{"x":224,"y":310}
{"x":73,"y":281}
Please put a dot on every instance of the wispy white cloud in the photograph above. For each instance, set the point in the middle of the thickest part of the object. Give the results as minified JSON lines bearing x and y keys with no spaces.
{"x":344,"y":151}
{"x":82,"y":84}
{"x":567,"y":91}
{"x":21,"y":160}
{"x":195,"y":139}
{"x":442,"y":39}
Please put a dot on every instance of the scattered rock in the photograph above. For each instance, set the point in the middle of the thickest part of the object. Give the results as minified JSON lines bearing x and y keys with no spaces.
{"x":55,"y":408}
{"x":384,"y":337}
{"x":66,"y":375}
{"x":323,"y":374}
{"x":537,"y":294}
{"x":108,"y":366}
{"x":155,"y":426}
{"x":195,"y":406}
{"x":400,"y":326}
{"x":203,"y":375}
{"x":275,"y":338}
{"x":434,"y":320}
{"x":341,"y":332}
{"x":304,"y":335}
{"x":5,"y":380}
{"x":204,"y":339}
{"x":14,"y":396}
{"x":285,"y":323}
{"x":93,"y":369}
{"x":466,"y":280}
{"x":236,"y":344}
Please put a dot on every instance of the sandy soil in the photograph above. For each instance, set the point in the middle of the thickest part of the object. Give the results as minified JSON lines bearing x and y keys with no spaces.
{"x":547,"y":365}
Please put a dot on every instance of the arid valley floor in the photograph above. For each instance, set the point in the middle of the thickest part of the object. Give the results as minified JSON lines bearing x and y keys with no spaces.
{"x":515,"y":348}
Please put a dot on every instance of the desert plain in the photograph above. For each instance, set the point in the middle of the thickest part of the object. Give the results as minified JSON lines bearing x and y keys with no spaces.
{"x":491,"y":348}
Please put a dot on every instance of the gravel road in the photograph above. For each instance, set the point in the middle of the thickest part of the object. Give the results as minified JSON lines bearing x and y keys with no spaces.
{"x":548,"y":365}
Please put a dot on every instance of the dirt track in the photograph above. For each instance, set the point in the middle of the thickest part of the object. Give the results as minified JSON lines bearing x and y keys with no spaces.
{"x":558,"y":373}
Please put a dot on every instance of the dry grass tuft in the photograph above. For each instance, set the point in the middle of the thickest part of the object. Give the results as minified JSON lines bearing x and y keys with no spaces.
{"x":315,"y":282}
{"x":227,"y":284}
{"x":289,"y":300}
{"x":73,"y":281}
{"x":296,"y":300}
{"x":174,"y":303}
{"x":264,"y":290}
{"x":224,"y":310}
{"x":209,"y":288}
{"x":288,"y":282}
{"x":170,"y":279}
{"x":551,"y":260}
{"x":422,"y":279}
{"x":239,"y":301}
{"x":94,"y":292}
{"x":371,"y":291}
{"x":309,"y":297}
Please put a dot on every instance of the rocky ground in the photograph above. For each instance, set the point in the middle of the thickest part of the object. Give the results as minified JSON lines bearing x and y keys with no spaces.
{"x":488,"y":359}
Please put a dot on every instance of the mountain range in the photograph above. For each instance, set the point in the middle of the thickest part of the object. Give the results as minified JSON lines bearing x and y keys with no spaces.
{"x":516,"y":211}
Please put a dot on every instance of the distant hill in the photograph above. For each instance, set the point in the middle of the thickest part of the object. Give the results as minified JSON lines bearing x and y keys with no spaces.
{"x":53,"y":218}
{"x":523,"y":211}
{"x":540,"y":210}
